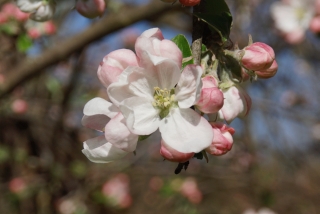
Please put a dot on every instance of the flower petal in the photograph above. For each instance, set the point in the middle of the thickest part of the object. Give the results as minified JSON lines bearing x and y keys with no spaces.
{"x":131,"y":83}
{"x":186,"y":131}
{"x":141,"y":117}
{"x":153,"y":32}
{"x":98,"y":106}
{"x":164,"y":70}
{"x":97,"y":122}
{"x":117,"y":133}
{"x":114,"y":64}
{"x":98,"y":150}
{"x":189,"y":86}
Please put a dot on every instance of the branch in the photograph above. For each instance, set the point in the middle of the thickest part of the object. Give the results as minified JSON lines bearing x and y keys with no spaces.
{"x":111,"y":23}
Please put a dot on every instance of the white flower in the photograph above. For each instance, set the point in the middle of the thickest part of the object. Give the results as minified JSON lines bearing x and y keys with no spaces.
{"x":117,"y":140}
{"x":158,"y":95}
{"x":293,"y":16}
{"x":41,"y":10}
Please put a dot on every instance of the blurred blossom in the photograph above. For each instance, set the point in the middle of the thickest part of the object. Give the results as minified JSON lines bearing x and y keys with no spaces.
{"x":17,"y":185}
{"x":190,"y":190}
{"x":316,"y":131}
{"x":261,"y":211}
{"x":19,"y":106}
{"x":315,"y":24}
{"x":67,"y":206}
{"x":156,"y":183}
{"x":292,"y":18}
{"x":117,"y":191}
{"x":37,"y":29}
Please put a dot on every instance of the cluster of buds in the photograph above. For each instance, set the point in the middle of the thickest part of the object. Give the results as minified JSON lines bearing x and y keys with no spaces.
{"x":150,"y":90}
{"x":43,"y":10}
{"x":15,"y":22}
{"x":293,"y":17}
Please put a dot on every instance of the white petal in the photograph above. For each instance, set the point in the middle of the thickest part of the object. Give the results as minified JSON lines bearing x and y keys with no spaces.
{"x":98,"y":150}
{"x":141,"y":117}
{"x":189,"y":86}
{"x":186,"y":131}
{"x":164,"y":70}
{"x":117,"y":133}
{"x":131,"y":83}
{"x":97,"y":122}
{"x":100,"y":106}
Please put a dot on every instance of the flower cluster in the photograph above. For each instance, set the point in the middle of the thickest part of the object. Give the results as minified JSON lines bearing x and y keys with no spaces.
{"x":293,"y":17}
{"x":15,"y":22}
{"x":43,"y":10}
{"x":150,"y":90}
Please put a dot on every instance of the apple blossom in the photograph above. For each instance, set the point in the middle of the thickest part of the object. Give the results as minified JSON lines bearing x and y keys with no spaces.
{"x":157,"y":95}
{"x":237,"y":103}
{"x":12,"y":11}
{"x":222,"y":140}
{"x":148,"y":100}
{"x":173,"y":155}
{"x":40,"y":10}
{"x":268,"y":73}
{"x":91,"y":8}
{"x":101,"y":115}
{"x":211,"y":98}
{"x":258,"y":56}
{"x":292,"y":18}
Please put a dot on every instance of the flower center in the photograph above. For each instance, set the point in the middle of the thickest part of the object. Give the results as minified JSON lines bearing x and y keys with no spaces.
{"x":163,"y":100}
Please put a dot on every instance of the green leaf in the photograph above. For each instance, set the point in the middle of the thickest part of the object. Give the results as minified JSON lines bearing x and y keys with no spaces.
{"x":183,"y":44}
{"x":24,"y":42}
{"x":218,"y":17}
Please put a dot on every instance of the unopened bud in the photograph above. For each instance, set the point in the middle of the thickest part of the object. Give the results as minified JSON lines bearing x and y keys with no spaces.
{"x":173,"y":155}
{"x":268,"y":73}
{"x":189,"y":3}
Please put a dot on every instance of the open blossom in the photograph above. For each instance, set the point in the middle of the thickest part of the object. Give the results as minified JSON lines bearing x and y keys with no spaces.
{"x":91,"y":8}
{"x":211,"y":98}
{"x":315,"y":24}
{"x":258,"y":56}
{"x":157,"y":95}
{"x":237,"y":103}
{"x":292,"y":18}
{"x":117,"y":141}
{"x":173,"y":155}
{"x":222,"y":140}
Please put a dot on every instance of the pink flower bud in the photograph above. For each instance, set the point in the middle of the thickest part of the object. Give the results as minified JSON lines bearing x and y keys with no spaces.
{"x":173,"y":155}
{"x":34,"y":33}
{"x":315,"y":24}
{"x":189,"y":3}
{"x":3,"y":18}
{"x":91,"y":8}
{"x":268,"y":73}
{"x":17,"y":185}
{"x":294,"y":37}
{"x":113,"y":65}
{"x":222,"y":139}
{"x":19,"y":106}
{"x":237,"y":103}
{"x":190,"y":190}
{"x":49,"y":28}
{"x":211,"y":98}
{"x":258,"y":56}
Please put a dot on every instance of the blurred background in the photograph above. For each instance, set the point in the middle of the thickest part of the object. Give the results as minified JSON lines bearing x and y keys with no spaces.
{"x":273,"y":167}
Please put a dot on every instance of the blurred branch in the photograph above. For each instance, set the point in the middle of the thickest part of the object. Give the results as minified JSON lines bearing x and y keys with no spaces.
{"x":111,"y":23}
